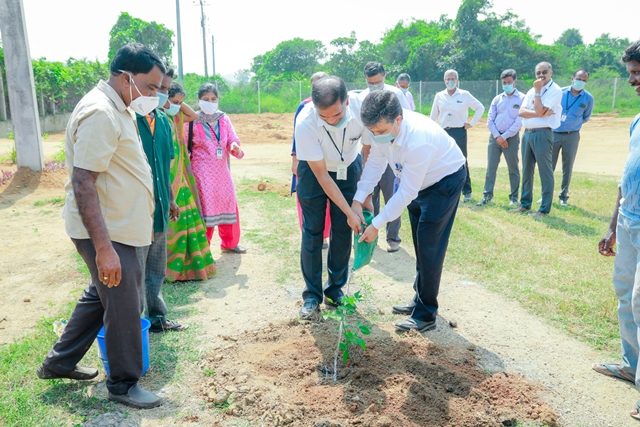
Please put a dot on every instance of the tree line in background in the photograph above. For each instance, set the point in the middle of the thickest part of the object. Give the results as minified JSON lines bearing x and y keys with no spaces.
{"x":478,"y":43}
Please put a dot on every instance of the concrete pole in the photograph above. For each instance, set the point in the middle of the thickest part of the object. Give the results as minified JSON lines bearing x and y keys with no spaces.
{"x":3,"y":105}
{"x":204,"y":38}
{"x":21,"y":88}
{"x":180,"y":72}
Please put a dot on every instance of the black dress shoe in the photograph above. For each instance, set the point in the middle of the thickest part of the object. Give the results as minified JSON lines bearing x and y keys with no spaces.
{"x":310,"y":311}
{"x":137,"y":397}
{"x":410,"y":323}
{"x":167,"y":325}
{"x":78,"y":373}
{"x":404,"y":309}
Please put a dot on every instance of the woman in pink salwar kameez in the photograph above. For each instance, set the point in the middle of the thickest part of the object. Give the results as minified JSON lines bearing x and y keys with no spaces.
{"x":212,"y":140}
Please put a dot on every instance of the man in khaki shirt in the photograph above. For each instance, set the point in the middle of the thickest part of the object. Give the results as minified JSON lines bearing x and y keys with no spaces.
{"x":108,"y":212}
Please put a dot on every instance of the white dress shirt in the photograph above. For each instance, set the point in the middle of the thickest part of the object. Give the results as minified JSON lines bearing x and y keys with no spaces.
{"x":357,"y":98}
{"x":316,"y":140}
{"x":452,"y":111}
{"x":552,"y":99}
{"x":421,"y":155}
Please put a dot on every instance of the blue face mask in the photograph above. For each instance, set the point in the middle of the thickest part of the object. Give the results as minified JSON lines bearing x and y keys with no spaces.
{"x":162,"y":99}
{"x":507,"y":89}
{"x":385,"y":138}
{"x":451,"y":84}
{"x":173,"y":109}
{"x":578,"y":84}
{"x":343,"y":121}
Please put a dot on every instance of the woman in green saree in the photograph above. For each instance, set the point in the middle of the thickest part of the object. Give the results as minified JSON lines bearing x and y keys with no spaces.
{"x":188,"y":253}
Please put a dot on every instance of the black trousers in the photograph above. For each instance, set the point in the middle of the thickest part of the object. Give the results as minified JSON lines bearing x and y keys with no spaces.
{"x":313,"y":202}
{"x":118,"y":308}
{"x":385,"y":186}
{"x":432,"y":214}
{"x":460,"y":136}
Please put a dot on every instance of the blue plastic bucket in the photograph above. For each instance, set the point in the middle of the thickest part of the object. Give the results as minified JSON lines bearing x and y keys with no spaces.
{"x":102,"y":346}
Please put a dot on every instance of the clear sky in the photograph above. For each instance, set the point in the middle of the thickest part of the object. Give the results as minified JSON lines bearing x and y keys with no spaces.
{"x":59,"y":29}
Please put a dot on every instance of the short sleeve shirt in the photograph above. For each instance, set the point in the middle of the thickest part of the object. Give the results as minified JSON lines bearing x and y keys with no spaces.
{"x":315,"y":140}
{"x":102,"y":137}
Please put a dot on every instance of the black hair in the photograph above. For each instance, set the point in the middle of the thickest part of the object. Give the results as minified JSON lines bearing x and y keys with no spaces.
{"x":632,"y":53}
{"x":135,"y":58}
{"x":373,"y":69}
{"x":175,"y":89}
{"x":403,"y":77}
{"x":206,"y":88}
{"x":327,"y":90}
{"x":509,"y":72}
{"x":171,"y":73}
{"x":380,"y":105}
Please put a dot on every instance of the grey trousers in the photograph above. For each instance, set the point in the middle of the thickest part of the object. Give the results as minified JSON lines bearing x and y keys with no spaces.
{"x":494,"y":151}
{"x":568,"y":144}
{"x":537,"y":147}
{"x":118,"y":308}
{"x":154,"y":264}
{"x":386,"y":187}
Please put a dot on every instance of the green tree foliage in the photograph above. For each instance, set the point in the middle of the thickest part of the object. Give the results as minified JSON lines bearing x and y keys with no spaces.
{"x":294,"y":59}
{"x":153,"y":35}
{"x":570,"y":38}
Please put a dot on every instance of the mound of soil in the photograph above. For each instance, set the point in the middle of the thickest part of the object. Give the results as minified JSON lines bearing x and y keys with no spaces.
{"x":279,"y":376}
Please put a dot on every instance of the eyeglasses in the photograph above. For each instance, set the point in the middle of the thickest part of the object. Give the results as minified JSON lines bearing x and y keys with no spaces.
{"x":543,"y":72}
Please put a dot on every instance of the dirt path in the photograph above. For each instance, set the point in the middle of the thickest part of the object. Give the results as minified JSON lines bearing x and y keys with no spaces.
{"x":243,"y":301}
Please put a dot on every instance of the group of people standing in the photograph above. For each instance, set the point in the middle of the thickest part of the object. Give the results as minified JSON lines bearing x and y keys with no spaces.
{"x":149,"y":182}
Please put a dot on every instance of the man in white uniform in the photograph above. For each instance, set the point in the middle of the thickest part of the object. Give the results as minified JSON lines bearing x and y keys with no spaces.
{"x":328,"y":148}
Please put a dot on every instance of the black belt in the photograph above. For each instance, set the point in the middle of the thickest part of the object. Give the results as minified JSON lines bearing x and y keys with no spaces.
{"x":567,"y":132}
{"x":537,"y":129}
{"x":449,"y":128}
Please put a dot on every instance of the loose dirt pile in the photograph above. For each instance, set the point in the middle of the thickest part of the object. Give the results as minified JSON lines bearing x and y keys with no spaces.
{"x":278,"y":376}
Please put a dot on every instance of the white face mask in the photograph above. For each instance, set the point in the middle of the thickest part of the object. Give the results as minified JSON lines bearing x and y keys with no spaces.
{"x":142,"y":105}
{"x":208,"y":107}
{"x":375,"y":86}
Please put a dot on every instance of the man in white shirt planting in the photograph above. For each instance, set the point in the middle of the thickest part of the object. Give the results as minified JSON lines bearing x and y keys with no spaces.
{"x":431,"y":169}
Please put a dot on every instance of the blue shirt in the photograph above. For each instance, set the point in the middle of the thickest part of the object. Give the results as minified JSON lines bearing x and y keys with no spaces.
{"x":576,"y":110}
{"x":503,"y":119}
{"x":630,"y":183}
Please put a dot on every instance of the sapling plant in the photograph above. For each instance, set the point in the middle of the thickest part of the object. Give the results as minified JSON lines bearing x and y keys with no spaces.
{"x":350,"y":330}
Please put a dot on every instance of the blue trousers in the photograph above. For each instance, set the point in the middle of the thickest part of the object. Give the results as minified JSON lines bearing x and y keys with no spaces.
{"x":313,"y":202}
{"x":431,"y":215}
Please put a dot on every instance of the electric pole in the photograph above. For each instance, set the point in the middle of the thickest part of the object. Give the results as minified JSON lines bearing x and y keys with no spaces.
{"x":204,"y":38}
{"x":213,"y":57}
{"x":179,"y":33}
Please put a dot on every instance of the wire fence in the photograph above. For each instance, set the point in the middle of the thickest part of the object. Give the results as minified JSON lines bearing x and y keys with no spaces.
{"x":611,"y":95}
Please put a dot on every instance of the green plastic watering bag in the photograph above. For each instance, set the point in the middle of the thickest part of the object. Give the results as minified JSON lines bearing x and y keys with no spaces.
{"x":363,"y":251}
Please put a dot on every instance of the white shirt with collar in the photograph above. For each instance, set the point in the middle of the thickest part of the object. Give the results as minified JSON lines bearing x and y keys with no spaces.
{"x":421,"y":155}
{"x":357,"y":98}
{"x":452,"y":111}
{"x":552,"y":99}
{"x":314,"y":138}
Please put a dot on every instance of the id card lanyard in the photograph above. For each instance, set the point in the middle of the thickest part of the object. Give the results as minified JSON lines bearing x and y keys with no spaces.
{"x":341,"y":173}
{"x":217,"y":138}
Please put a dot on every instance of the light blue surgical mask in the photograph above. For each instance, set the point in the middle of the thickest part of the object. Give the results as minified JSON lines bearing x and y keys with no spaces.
{"x":173,"y":109}
{"x":578,"y":84}
{"x":162,"y":99}
{"x":375,"y":87}
{"x":451,"y":84}
{"x":342,"y":123}
{"x":385,"y":138}
{"x":508,"y":89}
